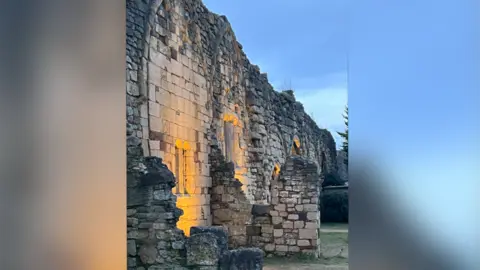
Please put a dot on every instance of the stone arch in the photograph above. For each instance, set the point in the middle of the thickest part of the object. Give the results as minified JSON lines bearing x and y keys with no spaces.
{"x":295,"y":149}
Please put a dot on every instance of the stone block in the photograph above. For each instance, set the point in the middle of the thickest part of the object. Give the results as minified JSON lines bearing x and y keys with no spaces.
{"x":303,"y":243}
{"x":274,"y":213}
{"x":308,"y":234}
{"x":281,"y":248}
{"x":203,"y":250}
{"x":311,"y":225}
{"x":277,"y":220}
{"x":312,"y":215}
{"x":293,"y":217}
{"x":147,"y":254}
{"x":220,"y":233}
{"x":242,"y":259}
{"x":131,"y":247}
{"x":287,"y":225}
{"x":278,"y":232}
{"x":310,"y":207}
{"x":299,"y":224}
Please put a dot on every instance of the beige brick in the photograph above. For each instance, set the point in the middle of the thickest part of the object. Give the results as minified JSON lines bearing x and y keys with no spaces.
{"x":308,"y":234}
{"x":287,"y":225}
{"x":154,"y":73}
{"x":144,"y":110}
{"x":312,"y":215}
{"x":277,"y":220}
{"x":156,"y":124}
{"x":303,"y":243}
{"x":158,"y":59}
{"x":293,"y":217}
{"x":299,"y":224}
{"x":176,"y":68}
{"x":278,"y":232}
{"x":267,"y":229}
{"x":280,"y":207}
{"x":311,"y":225}
{"x":151,"y":92}
{"x":154,"y":145}
{"x":154,"y":108}
{"x":310,"y":207}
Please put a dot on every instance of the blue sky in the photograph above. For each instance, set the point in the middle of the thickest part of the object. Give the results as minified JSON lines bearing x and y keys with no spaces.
{"x":305,"y":48}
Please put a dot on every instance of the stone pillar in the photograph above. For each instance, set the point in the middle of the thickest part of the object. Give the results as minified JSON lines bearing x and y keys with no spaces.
{"x":230,"y":206}
{"x":295,"y":214}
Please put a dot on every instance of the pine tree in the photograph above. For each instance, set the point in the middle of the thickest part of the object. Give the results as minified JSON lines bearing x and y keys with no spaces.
{"x":344,"y":135}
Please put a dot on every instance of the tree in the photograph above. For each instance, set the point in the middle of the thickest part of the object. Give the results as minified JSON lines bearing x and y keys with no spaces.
{"x":344,"y":135}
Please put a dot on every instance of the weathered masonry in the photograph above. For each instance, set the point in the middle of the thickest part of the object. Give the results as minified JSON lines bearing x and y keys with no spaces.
{"x":195,"y":101}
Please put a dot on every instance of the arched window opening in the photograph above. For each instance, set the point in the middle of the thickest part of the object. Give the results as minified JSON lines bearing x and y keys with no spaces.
{"x":296,"y":147}
{"x":181,"y":167}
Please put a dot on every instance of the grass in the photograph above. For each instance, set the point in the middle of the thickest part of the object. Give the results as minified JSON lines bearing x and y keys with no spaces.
{"x":303,"y":259}
{"x":333,"y":238}
{"x":334,"y":226}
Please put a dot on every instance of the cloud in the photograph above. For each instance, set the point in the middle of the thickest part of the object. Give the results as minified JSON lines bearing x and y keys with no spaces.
{"x":326,"y":106}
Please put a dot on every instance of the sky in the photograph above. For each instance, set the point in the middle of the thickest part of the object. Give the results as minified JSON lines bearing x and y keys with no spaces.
{"x":411,"y":68}
{"x":300,"y":46}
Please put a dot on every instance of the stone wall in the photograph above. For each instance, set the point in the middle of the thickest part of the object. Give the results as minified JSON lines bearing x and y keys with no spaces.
{"x":191,"y":89}
{"x":230,"y":207}
{"x":152,"y":234}
{"x":290,"y":225}
{"x":153,"y":240}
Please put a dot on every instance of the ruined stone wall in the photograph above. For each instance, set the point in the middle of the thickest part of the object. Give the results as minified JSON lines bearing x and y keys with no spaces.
{"x":290,"y":225}
{"x":190,"y":88}
{"x":153,"y":239}
{"x":152,"y":234}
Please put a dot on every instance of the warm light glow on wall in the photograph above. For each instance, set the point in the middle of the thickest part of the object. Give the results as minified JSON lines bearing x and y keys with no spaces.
{"x":228,"y":117}
{"x":192,"y":211}
{"x":276,"y":170}
{"x":296,"y":141}
{"x":182,"y":144}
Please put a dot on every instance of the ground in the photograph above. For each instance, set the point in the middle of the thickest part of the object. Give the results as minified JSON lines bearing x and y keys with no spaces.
{"x":334,"y":239}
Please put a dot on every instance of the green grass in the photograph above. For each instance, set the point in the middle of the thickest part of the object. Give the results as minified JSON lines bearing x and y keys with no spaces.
{"x":333,"y":238}
{"x":334,"y":226}
{"x":303,"y":259}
